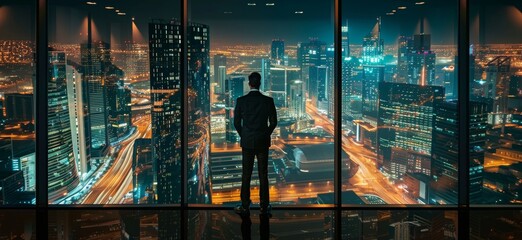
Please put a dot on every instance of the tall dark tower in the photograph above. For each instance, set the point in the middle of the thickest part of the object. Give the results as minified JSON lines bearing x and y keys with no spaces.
{"x":277,"y":51}
{"x":165,"y":83}
{"x":444,"y":161}
{"x":198,"y":154}
{"x":405,"y":45}
{"x":312,"y":53}
{"x":95,"y":58}
{"x":166,"y":110}
{"x":220,"y":71}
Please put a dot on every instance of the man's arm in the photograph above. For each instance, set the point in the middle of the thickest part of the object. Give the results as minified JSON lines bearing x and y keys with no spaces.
{"x":238,"y":117}
{"x":272,"y":117}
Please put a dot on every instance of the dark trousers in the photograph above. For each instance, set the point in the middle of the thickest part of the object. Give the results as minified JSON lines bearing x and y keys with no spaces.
{"x":262,"y":169}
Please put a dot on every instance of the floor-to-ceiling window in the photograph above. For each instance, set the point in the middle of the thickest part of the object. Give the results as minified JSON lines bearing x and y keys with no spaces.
{"x":371,"y":143}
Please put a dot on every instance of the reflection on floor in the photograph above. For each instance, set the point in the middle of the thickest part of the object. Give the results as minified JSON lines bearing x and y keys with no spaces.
{"x":284,"y":224}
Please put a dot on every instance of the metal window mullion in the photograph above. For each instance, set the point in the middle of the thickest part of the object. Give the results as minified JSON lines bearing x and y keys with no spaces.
{"x":337,"y":116}
{"x":41,"y":118}
{"x":184,"y":116}
{"x":463,"y":118}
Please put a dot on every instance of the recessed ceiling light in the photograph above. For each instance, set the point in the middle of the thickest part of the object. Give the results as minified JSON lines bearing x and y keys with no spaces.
{"x":122,"y":14}
{"x":419,"y":3}
{"x":117,"y":10}
{"x":227,"y":12}
{"x":401,"y":8}
{"x":299,"y":12}
{"x":270,"y":4}
{"x":390,"y":13}
{"x":251,"y":4}
{"x":91,"y":3}
{"x":109,"y":8}
{"x":394,"y":11}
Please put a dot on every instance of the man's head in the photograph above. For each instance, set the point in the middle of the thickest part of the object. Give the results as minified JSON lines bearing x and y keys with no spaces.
{"x":254,"y":80}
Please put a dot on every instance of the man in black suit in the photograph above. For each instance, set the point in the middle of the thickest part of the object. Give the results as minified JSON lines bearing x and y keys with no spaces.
{"x":252,"y":114}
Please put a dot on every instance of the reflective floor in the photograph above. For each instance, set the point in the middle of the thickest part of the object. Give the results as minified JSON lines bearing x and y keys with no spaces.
{"x":288,"y":224}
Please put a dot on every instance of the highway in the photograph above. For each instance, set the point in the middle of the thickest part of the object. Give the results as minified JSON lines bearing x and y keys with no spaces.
{"x":117,"y":181}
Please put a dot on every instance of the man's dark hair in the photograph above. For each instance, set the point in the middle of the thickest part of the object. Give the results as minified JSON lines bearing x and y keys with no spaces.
{"x":254,"y":80}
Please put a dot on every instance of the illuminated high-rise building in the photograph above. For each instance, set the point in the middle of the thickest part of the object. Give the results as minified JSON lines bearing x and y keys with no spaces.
{"x":198,"y":61}
{"x":318,"y":86}
{"x":405,"y":45}
{"x":345,"y":41}
{"x":63,"y":176}
{"x":119,"y":101}
{"x":220,"y":71}
{"x":477,"y":140}
{"x":421,"y":61}
{"x":79,"y":119}
{"x":444,"y":154}
{"x":405,"y":122}
{"x":165,"y":83}
{"x":498,"y":73}
{"x":373,"y":74}
{"x":296,"y":105}
{"x":279,"y":85}
{"x":312,"y":53}
{"x":95,"y":59}
{"x":166,"y":112}
{"x":277,"y":51}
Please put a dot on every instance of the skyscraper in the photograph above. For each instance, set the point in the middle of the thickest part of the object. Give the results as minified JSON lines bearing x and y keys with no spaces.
{"x":477,"y":141}
{"x":405,"y":121}
{"x":318,"y":86}
{"x":405,"y":45}
{"x":373,"y":74}
{"x":312,"y":53}
{"x":277,"y":51}
{"x":119,"y":104}
{"x":421,"y":61}
{"x":345,"y":40}
{"x":444,"y":154}
{"x":79,"y":119}
{"x":220,"y":71}
{"x":444,"y":160}
{"x":165,"y":83}
{"x":497,"y":82}
{"x":62,"y":176}
{"x":95,"y":59}
{"x":166,"y":111}
{"x":198,"y":154}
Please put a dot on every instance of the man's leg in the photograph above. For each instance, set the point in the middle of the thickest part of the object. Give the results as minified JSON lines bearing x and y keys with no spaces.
{"x":248,"y":165}
{"x":262,"y":164}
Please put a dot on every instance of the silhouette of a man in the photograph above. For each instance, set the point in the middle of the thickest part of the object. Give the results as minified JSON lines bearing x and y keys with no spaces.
{"x":252,"y":114}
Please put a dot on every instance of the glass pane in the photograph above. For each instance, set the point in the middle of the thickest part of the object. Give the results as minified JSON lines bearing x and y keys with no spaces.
{"x":114,"y":103}
{"x":488,"y":224}
{"x":399,"y":224}
{"x":226,"y":225}
{"x":113,"y":224}
{"x":17,"y":101}
{"x":399,"y":92}
{"x":495,"y":102}
{"x":17,"y":224}
{"x":290,"y":45}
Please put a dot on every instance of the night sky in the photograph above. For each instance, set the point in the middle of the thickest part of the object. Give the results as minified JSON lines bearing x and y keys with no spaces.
{"x":235,"y":22}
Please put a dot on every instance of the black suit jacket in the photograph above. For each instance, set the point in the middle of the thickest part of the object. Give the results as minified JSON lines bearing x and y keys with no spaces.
{"x":251,"y":116}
